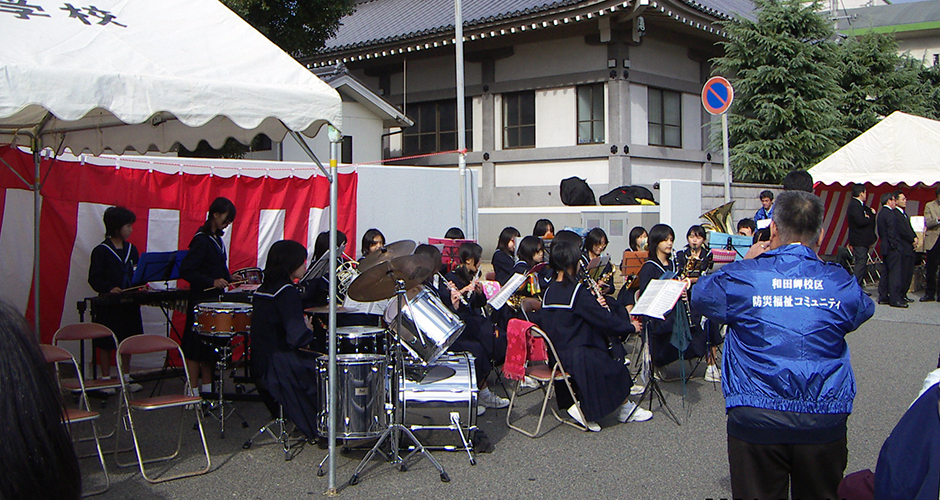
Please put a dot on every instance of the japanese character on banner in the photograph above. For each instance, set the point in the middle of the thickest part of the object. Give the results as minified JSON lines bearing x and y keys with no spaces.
{"x":104,"y":17}
{"x":21,"y":9}
{"x":776,"y":283}
{"x":787,"y":301}
{"x":787,"y":284}
{"x":798,"y":284}
{"x":756,"y":301}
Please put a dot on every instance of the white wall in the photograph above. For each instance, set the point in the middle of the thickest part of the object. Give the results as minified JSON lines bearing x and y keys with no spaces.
{"x":551,"y":57}
{"x":360,"y":123}
{"x":691,"y":121}
{"x":556,"y":117}
{"x":432,"y":74}
{"x":639,"y":126}
{"x":648,"y":171}
{"x":921,"y":49}
{"x":548,"y":173}
{"x":476,"y":116}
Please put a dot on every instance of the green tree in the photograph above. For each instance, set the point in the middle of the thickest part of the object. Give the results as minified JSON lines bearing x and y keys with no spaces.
{"x":782,"y":66}
{"x":877,"y":81}
{"x":300,"y":28}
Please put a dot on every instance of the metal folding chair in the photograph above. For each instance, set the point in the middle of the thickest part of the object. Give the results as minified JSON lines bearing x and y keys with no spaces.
{"x":546,"y":375}
{"x":73,"y":416}
{"x":80,"y":332}
{"x":143,"y":344}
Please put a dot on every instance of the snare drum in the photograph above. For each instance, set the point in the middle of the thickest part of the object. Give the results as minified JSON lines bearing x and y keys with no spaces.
{"x":249,"y":275}
{"x":360,"y":395}
{"x":360,"y":340}
{"x":428,"y":327}
{"x":431,"y":393}
{"x":222,"y":319}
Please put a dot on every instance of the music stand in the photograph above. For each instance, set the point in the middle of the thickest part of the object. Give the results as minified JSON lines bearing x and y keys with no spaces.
{"x":158,"y":266}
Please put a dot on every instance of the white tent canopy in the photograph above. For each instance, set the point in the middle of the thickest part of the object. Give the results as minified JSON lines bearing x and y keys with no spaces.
{"x":901,"y":149}
{"x":142,"y":75}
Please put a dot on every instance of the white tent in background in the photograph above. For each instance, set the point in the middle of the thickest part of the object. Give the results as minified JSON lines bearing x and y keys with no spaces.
{"x":901,"y":149}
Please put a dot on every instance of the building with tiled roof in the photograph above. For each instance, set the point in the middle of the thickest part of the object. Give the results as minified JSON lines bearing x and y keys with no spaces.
{"x":915,"y":25}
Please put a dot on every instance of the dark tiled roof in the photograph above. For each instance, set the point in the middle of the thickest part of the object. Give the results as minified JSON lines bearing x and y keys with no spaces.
{"x":895,"y":15}
{"x":384,"y":21}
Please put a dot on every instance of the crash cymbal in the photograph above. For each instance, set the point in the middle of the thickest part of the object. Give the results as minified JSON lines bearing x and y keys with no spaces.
{"x":388,"y":252}
{"x":379,"y":282}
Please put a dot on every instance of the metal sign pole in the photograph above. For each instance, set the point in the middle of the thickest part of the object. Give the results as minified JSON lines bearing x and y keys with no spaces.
{"x":335,"y":140}
{"x":725,"y":155}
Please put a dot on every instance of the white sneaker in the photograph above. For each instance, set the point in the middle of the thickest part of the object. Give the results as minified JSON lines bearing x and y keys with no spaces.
{"x":490,"y":400}
{"x":712,"y":374}
{"x":637,"y":389}
{"x":134,"y":387}
{"x":630,"y":412}
{"x":576,"y":414}
{"x":529,"y":383}
{"x":481,"y":410}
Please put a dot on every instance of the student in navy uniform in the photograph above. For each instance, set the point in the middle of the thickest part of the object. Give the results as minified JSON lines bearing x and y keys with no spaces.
{"x":587,"y":331}
{"x":316,"y":291}
{"x":659,"y":331}
{"x":480,"y":337}
{"x":111,"y":269}
{"x":372,"y":240}
{"x":697,"y":248}
{"x":279,"y":332}
{"x":595,"y":243}
{"x":505,"y":257}
{"x":205,"y":266}
{"x":544,"y":229}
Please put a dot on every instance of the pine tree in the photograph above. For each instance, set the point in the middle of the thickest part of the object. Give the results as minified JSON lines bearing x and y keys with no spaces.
{"x":878,"y":81}
{"x":785,"y":114}
{"x":298,"y":28}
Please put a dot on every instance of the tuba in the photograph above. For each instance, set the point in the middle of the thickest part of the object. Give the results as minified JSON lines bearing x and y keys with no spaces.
{"x":719,"y":219}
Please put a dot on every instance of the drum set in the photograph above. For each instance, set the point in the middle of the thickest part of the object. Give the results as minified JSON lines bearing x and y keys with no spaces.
{"x":400,"y":382}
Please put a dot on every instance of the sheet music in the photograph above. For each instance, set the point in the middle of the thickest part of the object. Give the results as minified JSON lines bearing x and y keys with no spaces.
{"x":659,"y":298}
{"x":506,"y":291}
{"x":377,"y":307}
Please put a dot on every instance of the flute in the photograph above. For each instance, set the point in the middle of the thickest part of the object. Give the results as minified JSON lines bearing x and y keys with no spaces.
{"x":452,"y":286}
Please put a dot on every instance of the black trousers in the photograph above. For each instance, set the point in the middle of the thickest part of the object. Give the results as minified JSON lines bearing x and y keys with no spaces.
{"x":771,"y":471}
{"x":890,"y":287}
{"x":932,"y":264}
{"x":861,"y":263}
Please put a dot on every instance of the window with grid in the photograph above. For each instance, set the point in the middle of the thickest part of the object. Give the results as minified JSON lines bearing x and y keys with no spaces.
{"x":591,"y":113}
{"x":519,"y":120}
{"x":435,"y":127}
{"x":665,"y":118}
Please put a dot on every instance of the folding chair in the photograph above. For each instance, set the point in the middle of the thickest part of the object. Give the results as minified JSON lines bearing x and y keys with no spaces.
{"x":81,"y":332}
{"x":546,"y":375}
{"x":55,"y":355}
{"x":874,"y":262}
{"x":143,"y":344}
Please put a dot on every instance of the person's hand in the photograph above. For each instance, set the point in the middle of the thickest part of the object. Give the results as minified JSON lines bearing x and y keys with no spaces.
{"x":637,"y":324}
{"x":757,"y":249}
{"x":308,"y":320}
{"x":602,"y":301}
{"x":455,"y":298}
{"x":220,"y":283}
{"x":116,"y":289}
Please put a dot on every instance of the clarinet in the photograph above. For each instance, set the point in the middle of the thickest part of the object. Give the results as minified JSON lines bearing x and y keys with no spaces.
{"x":690,"y":264}
{"x":592,"y":285}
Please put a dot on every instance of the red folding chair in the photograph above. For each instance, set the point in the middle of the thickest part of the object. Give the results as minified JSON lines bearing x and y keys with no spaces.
{"x":74,"y":416}
{"x":144,"y":344}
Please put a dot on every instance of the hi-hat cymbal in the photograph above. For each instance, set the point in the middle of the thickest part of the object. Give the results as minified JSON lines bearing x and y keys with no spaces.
{"x":379,"y":282}
{"x":388,"y":252}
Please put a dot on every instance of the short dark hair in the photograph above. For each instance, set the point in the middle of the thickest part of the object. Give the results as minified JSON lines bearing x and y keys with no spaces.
{"x":368,"y":238}
{"x":469,"y":251}
{"x":798,"y":180}
{"x":542,"y":226}
{"x":747,"y":222}
{"x":635,"y":234}
{"x":595,"y":237}
{"x":284,"y":257}
{"x":766,"y":194}
{"x":505,"y":236}
{"x":798,"y":217}
{"x":454,"y":233}
{"x":528,"y":247}
{"x":696,"y":230}
{"x":36,"y":454}
{"x":322,"y":244}
{"x":658,"y":234}
{"x":858,"y":189}
{"x":115,"y":218}
{"x":566,"y":256}
{"x":566,"y":235}
{"x":219,"y":205}
{"x":430,"y":251}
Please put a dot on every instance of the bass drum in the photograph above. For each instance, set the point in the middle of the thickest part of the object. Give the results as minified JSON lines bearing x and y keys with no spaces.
{"x":430,"y":393}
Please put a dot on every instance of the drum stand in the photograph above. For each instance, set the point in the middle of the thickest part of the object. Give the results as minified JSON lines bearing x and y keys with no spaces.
{"x":225,"y":353}
{"x":395,"y":428}
{"x":652,"y":385}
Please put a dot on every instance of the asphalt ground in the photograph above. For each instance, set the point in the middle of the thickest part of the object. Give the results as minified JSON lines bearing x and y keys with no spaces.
{"x":658,"y":459}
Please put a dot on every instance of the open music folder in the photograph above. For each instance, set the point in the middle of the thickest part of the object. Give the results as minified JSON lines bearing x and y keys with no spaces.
{"x":659,"y":298}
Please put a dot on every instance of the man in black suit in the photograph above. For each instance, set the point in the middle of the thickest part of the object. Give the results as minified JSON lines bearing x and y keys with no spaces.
{"x":908,"y":240}
{"x":887,"y":221}
{"x":861,"y":220}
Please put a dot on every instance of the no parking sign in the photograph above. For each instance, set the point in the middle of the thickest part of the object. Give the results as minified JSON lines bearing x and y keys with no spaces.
{"x":717,"y":95}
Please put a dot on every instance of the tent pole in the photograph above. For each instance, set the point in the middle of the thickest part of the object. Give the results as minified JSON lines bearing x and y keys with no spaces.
{"x":309,"y":152}
{"x":461,"y":115}
{"x":36,"y":211}
{"x":335,"y":140}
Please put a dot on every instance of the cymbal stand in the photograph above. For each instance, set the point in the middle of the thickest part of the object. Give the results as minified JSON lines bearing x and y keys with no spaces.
{"x":652,"y":385}
{"x":395,"y":428}
{"x":224,"y":353}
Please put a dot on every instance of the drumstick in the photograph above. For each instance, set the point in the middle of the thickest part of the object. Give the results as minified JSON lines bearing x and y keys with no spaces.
{"x":133,"y":288}
{"x":234,"y":283}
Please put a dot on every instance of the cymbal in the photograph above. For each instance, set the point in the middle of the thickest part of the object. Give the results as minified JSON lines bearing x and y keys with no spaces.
{"x":388,"y":252}
{"x":379,"y":282}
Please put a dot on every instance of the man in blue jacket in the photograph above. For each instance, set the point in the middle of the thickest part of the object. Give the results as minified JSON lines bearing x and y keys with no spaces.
{"x":788,"y":381}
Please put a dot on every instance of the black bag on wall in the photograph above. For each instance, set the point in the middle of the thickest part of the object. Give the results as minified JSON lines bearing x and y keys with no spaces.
{"x":627,"y":195}
{"x":576,"y":192}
